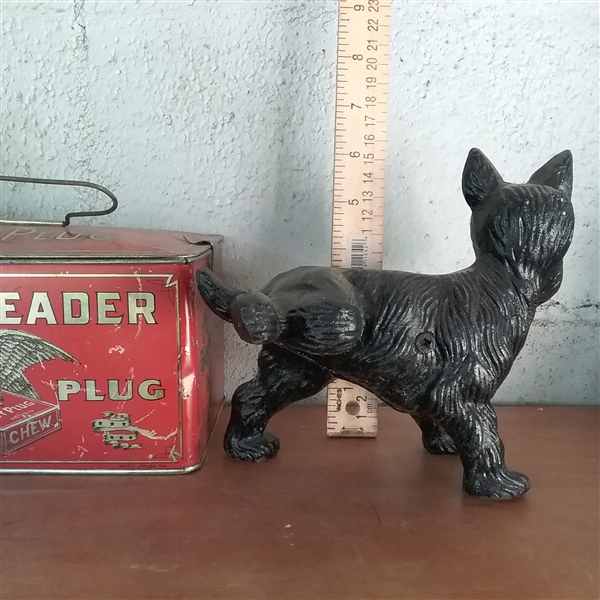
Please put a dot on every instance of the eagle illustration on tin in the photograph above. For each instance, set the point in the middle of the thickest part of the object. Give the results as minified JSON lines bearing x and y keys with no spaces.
{"x":19,"y":351}
{"x":24,"y":416}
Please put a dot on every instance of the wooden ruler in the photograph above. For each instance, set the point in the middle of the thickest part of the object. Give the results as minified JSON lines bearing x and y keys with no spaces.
{"x":359,"y":176}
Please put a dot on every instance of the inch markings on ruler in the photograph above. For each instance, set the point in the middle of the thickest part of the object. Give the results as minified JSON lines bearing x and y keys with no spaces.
{"x":359,"y":172}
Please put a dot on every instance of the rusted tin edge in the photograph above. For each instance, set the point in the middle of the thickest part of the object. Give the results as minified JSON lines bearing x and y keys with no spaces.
{"x":25,"y":471}
{"x":105,"y":259}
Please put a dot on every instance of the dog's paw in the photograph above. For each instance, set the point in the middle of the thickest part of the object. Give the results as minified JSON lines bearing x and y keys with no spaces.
{"x":257,"y":448}
{"x":500,"y":484}
{"x":255,"y":318}
{"x":439,"y":442}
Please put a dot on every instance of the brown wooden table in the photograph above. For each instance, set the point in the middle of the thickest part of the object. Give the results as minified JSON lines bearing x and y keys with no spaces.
{"x":327,"y":518}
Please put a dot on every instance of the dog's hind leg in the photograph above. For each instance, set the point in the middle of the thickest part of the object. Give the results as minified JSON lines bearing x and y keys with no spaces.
{"x":309,"y":310}
{"x":435,"y":439}
{"x":474,"y":429}
{"x":282,"y":378}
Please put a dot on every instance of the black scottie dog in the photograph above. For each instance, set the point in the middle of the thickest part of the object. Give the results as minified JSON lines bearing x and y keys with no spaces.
{"x":434,"y":346}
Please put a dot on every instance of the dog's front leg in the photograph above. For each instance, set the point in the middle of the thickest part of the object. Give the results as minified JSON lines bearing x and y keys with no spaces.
{"x":474,"y":429}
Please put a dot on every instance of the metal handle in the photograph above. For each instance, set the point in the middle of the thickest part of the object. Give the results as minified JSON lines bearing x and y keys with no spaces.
{"x":68,"y":216}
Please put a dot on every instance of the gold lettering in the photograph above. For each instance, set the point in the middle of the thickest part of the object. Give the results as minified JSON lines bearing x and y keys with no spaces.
{"x":105,"y":306}
{"x":90,"y":391}
{"x":113,"y":390}
{"x":84,"y":308}
{"x":18,"y":231}
{"x":65,"y":235}
{"x":141,"y":304}
{"x":147,"y":394}
{"x":41,"y":308}
{"x":67,"y":387}
{"x":6,"y":307}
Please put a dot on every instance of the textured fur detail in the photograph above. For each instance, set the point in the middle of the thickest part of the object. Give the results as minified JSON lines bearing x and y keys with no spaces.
{"x":434,"y":346}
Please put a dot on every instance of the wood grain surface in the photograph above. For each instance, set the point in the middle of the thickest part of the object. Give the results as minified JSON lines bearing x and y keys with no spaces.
{"x":326,"y":518}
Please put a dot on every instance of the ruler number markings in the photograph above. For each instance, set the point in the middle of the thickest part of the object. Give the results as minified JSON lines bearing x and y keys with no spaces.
{"x":360,"y":150}
{"x":359,"y":158}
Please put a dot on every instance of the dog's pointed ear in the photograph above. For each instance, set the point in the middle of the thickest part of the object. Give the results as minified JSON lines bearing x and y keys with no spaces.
{"x":556,"y":173}
{"x":479,"y":178}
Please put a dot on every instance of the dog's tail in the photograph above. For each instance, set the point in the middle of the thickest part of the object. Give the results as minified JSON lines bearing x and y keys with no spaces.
{"x":254,"y":316}
{"x":218,"y":295}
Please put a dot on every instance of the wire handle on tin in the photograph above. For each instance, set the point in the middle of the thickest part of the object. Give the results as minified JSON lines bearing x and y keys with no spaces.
{"x":67,"y":220}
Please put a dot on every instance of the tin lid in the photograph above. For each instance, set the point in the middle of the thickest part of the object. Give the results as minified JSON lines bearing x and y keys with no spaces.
{"x":41,"y":243}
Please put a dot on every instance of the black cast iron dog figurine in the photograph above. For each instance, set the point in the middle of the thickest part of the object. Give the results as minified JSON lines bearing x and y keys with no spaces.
{"x":434,"y":346}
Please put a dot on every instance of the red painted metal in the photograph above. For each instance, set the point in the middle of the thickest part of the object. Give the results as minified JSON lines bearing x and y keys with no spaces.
{"x":104,"y":335}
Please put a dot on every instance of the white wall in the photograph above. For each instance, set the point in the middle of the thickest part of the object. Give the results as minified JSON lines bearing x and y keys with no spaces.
{"x":217,"y":116}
